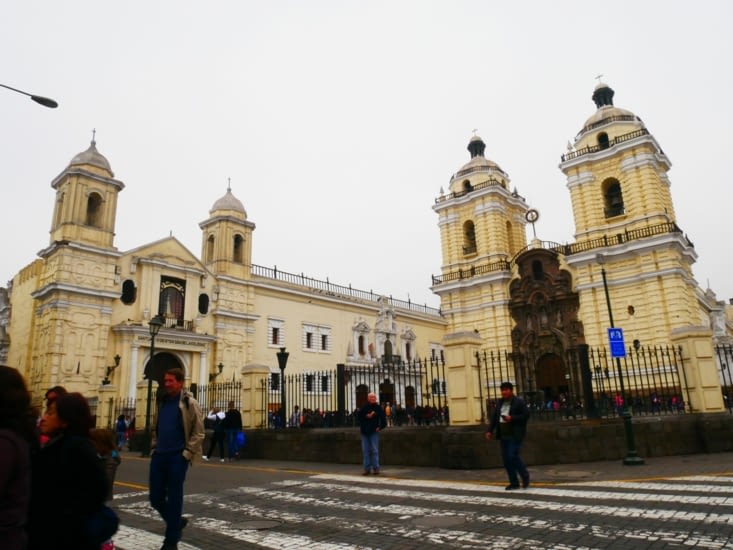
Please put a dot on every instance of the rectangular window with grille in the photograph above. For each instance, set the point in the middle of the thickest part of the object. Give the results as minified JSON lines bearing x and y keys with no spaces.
{"x":275,"y":332}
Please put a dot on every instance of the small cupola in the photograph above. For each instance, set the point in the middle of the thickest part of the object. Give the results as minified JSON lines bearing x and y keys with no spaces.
{"x":603,"y":95}
{"x":476,"y":147}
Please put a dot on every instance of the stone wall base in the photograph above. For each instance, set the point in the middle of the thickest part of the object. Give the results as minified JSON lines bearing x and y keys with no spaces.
{"x":564,"y":442}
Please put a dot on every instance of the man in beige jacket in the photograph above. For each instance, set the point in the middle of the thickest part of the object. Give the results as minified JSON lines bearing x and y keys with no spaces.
{"x":177,"y":440}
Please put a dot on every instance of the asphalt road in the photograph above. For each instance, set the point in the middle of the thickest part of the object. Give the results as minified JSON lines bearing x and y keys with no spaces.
{"x":670,"y":502}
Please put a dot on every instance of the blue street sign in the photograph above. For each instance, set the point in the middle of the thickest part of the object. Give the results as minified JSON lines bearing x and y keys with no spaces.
{"x":616,"y":342}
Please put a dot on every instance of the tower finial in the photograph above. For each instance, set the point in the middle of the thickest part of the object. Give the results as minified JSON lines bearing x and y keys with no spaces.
{"x":598,"y":78}
{"x":229,"y":185}
{"x":94,"y":136}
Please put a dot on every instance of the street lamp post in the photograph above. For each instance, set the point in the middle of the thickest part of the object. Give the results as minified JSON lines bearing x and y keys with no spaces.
{"x":632,"y":457}
{"x":282,"y":361}
{"x":45,"y":101}
{"x":154,"y":324}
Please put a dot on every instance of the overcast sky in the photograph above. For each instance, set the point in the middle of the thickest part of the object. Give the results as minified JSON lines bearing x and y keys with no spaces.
{"x":338,"y":122}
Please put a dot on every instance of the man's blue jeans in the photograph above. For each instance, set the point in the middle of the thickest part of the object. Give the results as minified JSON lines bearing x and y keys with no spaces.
{"x":232,"y":447}
{"x":370,"y":450}
{"x":167,"y":474}
{"x":512,"y":462}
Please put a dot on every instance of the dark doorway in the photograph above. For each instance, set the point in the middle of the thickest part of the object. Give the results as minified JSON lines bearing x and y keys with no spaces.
{"x":386,"y":391}
{"x":409,"y":397}
{"x":362,"y":391}
{"x":163,"y":362}
{"x":550,"y":375}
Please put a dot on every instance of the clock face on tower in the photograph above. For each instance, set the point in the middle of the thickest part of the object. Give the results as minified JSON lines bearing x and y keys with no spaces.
{"x":532,"y":215}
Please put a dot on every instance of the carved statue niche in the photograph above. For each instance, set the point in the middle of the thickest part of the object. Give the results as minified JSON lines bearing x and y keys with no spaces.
{"x":543,"y":305}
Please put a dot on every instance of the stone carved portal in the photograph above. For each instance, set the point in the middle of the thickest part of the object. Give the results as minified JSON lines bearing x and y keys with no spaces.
{"x":546,"y":326}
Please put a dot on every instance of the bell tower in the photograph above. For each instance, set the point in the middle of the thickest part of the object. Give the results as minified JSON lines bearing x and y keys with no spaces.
{"x":616,"y":173}
{"x":86,"y":201}
{"x":482,"y":227}
{"x":79,"y":281}
{"x":226,"y":246}
{"x":625,"y":224}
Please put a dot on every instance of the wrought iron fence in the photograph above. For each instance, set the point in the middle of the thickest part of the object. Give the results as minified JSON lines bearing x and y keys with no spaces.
{"x":412,"y":392}
{"x":588,"y":382}
{"x":218,"y":394}
{"x":106,"y":411}
{"x":724,"y":354}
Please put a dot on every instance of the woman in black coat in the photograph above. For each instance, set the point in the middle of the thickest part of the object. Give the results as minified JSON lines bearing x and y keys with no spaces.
{"x":17,"y":439}
{"x":68,"y":480}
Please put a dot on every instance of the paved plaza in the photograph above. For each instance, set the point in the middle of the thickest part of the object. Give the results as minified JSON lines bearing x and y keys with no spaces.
{"x":670,"y":502}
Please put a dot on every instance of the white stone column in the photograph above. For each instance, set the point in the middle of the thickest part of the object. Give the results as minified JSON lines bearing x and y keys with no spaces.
{"x":132,"y":380}
{"x":203,"y":368}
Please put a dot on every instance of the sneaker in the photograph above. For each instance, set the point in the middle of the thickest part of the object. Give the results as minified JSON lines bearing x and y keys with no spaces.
{"x":169,"y":546}
{"x":184,"y":522}
{"x":525,"y":482}
{"x":511,"y":487}
{"x":376,"y":471}
{"x":365,"y":473}
{"x":206,"y":458}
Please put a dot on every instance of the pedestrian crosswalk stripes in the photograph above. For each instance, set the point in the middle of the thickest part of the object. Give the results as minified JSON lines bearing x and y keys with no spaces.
{"x":343,"y":512}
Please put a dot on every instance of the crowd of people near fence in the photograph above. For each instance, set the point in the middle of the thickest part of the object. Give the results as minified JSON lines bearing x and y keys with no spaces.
{"x":606,"y":404}
{"x":396,"y":415}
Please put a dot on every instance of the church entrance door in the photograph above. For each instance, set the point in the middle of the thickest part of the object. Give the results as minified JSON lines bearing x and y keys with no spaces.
{"x":551,"y":378}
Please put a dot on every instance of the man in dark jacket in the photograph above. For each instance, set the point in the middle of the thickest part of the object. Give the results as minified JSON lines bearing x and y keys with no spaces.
{"x":508,"y":424}
{"x":233,"y":426}
{"x":371,"y":420}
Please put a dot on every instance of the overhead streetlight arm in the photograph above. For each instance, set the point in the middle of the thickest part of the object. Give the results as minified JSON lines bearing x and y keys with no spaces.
{"x":45,"y":101}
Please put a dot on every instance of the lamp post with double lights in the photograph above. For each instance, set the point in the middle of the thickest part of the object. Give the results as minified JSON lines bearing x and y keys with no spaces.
{"x":282,"y":362}
{"x":632,"y":457}
{"x":45,"y":101}
{"x":154,"y":324}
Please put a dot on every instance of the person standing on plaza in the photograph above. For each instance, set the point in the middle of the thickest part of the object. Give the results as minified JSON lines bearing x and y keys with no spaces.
{"x":17,"y":441}
{"x":121,"y":429}
{"x":371,"y":421}
{"x":215,"y":419}
{"x":508,"y":424}
{"x":177,"y":439}
{"x":232,"y":427}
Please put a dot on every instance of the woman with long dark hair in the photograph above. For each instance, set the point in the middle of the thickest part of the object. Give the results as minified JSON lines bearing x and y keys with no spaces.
{"x":17,"y":437}
{"x":68,"y":485}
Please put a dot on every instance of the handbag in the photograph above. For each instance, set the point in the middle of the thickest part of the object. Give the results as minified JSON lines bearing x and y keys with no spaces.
{"x":101,"y":525}
{"x":240,"y":440}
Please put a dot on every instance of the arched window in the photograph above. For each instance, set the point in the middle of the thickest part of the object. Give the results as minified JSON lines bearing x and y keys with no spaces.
{"x":603,"y":140}
{"x":362,"y":347}
{"x":129,"y":292}
{"x":59,"y":210}
{"x":510,"y":238}
{"x":94,"y":210}
{"x":210,"y":249}
{"x":203,"y":304}
{"x":613,"y":200}
{"x":237,"y":251}
{"x":408,"y":351}
{"x":469,"y":238}
{"x":467,"y":187}
{"x":172,"y":298}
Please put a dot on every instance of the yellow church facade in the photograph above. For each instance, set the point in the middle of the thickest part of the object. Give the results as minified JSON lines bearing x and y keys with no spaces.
{"x":78,"y":315}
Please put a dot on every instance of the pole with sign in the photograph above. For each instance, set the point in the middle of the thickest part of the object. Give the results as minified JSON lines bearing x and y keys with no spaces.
{"x":618,"y":350}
